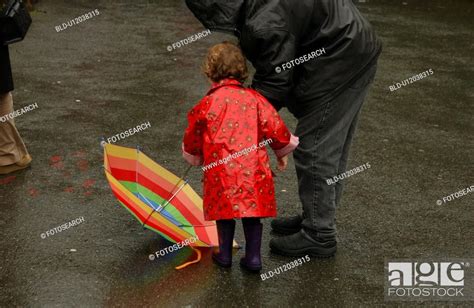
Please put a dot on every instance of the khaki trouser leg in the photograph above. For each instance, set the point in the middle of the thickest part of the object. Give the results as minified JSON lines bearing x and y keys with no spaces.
{"x":12,"y":148}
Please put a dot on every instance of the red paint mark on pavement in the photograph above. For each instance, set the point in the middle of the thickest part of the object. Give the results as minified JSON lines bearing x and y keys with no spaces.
{"x":33,"y":192}
{"x":83,"y":165}
{"x":7,"y":180}
{"x":69,"y":189}
{"x":56,"y":162}
{"x":88,"y":183}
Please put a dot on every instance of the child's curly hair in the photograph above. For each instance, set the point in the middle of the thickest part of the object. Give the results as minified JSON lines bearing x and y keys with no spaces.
{"x":225,"y":60}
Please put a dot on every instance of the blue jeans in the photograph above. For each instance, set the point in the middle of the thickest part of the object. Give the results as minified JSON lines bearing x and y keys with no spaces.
{"x":325,"y":135}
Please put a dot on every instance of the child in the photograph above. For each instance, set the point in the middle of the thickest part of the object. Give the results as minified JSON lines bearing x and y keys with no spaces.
{"x":228,"y":130}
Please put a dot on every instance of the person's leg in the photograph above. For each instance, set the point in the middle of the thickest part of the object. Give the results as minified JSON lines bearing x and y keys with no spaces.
{"x":225,"y":233}
{"x":323,"y":134}
{"x":253,"y":242}
{"x":361,"y":85}
{"x":344,"y":157}
{"x":307,"y":131}
{"x":290,"y":225}
{"x":287,"y":225}
{"x":12,"y":149}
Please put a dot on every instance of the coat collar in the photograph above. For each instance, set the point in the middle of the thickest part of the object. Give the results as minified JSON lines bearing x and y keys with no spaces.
{"x":224,"y":82}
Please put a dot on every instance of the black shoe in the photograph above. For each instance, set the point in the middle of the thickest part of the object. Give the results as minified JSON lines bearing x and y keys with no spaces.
{"x":301,"y":244}
{"x":225,"y":233}
{"x":288,"y":225}
{"x":253,"y":242}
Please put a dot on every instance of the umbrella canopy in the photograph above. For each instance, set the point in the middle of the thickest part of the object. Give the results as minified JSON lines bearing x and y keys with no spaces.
{"x":160,"y":200}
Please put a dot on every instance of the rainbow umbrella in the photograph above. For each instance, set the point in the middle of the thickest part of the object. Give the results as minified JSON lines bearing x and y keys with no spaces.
{"x":159,"y":200}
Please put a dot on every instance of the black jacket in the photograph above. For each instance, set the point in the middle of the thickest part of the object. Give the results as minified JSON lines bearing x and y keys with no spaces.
{"x":273,"y":32}
{"x":6,"y":79}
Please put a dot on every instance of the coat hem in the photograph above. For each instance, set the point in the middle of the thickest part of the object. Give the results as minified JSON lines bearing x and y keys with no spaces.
{"x":239,"y":217}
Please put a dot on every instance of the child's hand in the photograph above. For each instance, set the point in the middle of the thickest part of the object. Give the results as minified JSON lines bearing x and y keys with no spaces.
{"x":282,"y":163}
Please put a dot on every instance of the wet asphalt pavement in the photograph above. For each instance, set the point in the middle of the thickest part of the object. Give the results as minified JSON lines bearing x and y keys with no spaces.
{"x":113,"y":72}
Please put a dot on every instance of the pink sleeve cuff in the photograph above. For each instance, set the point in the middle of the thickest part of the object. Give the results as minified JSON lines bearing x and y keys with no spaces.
{"x":192,"y":159}
{"x":294,"y":141}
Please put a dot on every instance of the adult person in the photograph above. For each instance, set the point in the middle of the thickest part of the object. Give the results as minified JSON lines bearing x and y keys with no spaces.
{"x":317,"y":58}
{"x":13,"y":153}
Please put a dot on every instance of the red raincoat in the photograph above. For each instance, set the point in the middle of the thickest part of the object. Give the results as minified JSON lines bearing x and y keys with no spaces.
{"x":227,"y":132}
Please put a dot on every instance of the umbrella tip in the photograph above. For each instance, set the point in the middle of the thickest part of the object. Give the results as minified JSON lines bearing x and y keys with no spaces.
{"x":102,"y":142}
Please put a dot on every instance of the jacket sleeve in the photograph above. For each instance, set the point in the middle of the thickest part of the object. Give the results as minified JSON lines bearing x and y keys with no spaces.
{"x":271,"y":126}
{"x":192,"y":145}
{"x":268,"y":50}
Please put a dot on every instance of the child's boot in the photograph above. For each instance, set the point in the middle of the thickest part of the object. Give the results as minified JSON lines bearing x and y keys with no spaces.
{"x":225,"y":232}
{"x":253,"y":242}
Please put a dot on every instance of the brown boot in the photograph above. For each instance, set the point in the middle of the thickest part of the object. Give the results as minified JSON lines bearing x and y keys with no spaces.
{"x":22,"y":164}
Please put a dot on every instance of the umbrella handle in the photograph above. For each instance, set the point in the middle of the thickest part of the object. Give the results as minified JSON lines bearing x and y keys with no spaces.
{"x":198,"y":258}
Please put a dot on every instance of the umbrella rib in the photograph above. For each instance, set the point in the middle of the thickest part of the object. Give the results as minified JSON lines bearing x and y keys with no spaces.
{"x":162,"y":207}
{"x":176,"y":185}
{"x":174,"y":195}
{"x":148,"y":202}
